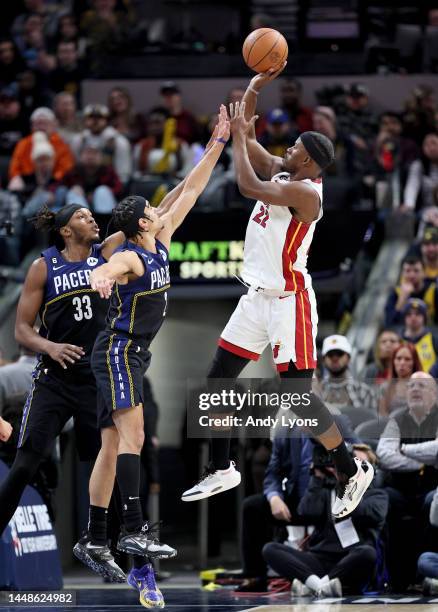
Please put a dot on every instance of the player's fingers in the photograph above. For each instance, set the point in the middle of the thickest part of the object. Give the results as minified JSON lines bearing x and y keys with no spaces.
{"x":231,"y":111}
{"x":236,"y":109}
{"x":242,"y":109}
{"x":253,"y":120}
{"x":60,"y":360}
{"x":75,"y":348}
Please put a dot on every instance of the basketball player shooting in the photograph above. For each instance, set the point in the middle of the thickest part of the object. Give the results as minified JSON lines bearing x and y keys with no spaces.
{"x":280,"y":307}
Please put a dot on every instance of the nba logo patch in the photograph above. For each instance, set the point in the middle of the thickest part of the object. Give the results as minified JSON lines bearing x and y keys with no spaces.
{"x":163,"y":255}
{"x":91,"y":261}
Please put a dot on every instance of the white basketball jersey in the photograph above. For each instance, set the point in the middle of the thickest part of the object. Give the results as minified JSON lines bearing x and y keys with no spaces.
{"x":276,"y":244}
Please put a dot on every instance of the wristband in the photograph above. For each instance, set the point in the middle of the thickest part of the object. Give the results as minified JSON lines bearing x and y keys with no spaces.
{"x":222,"y":140}
{"x":254,"y":90}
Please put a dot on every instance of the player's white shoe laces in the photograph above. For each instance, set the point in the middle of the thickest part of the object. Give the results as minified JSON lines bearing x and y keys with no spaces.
{"x":349,"y":493}
{"x":213,"y":482}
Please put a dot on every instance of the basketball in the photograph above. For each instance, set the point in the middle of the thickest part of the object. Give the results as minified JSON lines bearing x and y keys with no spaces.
{"x":264,"y":49}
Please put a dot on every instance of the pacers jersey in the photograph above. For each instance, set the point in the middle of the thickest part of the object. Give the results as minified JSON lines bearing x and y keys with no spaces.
{"x":276,"y":244}
{"x":138,"y":307}
{"x":72,"y":312}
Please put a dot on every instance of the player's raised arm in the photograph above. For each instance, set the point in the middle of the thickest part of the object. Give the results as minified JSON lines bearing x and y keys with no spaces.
{"x":117,"y":269}
{"x":196,"y":181}
{"x":265,"y":164}
{"x":110,"y":244}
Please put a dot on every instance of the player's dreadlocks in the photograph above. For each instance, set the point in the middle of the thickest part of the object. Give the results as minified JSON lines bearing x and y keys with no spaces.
{"x":44,"y":219}
{"x":126,"y":214}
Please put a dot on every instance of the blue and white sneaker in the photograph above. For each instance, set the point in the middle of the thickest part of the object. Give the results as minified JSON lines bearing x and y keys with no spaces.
{"x":143,"y":580}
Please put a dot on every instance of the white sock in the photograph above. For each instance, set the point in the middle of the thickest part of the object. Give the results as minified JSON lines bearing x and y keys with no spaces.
{"x":313,"y":583}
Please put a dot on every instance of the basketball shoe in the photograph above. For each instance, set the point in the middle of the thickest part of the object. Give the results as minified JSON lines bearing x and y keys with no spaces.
{"x":350,"y":491}
{"x":144,"y":544}
{"x":143,"y":580}
{"x":213,"y":482}
{"x":99,"y":559}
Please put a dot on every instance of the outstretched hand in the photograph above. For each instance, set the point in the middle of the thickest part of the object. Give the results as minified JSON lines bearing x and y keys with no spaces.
{"x":221,"y":129}
{"x":261,"y":79}
{"x":239,"y":125}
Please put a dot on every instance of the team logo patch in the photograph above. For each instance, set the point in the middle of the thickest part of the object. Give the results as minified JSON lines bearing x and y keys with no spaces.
{"x":276,"y":349}
{"x":163,"y":254}
{"x":91,"y":261}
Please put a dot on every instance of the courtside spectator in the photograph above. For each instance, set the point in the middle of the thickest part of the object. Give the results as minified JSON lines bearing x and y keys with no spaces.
{"x":10,"y":210}
{"x":413,"y":284}
{"x":40,"y":186}
{"x":162,"y":152}
{"x":300,"y":116}
{"x":13,"y":126}
{"x":428,"y":561}
{"x":33,"y":47}
{"x":11,"y":63}
{"x":286,"y":480}
{"x":69,"y":123}
{"x":429,"y":252}
{"x":116,"y":148}
{"x":357,"y":120}
{"x":93,"y":183}
{"x":416,"y":331}
{"x":332,"y":562}
{"x":338,"y":386}
{"x":122,"y":117}
{"x":419,"y":116}
{"x":424,"y":180}
{"x":325,"y":122}
{"x":409,"y":481}
{"x":42,"y":120}
{"x":68,"y":31}
{"x":278,"y":134}
{"x":379,"y":370}
{"x":393,"y":393}
{"x":32,"y":92}
{"x":187,"y":127}
{"x":16,"y":377}
{"x":68,"y":73}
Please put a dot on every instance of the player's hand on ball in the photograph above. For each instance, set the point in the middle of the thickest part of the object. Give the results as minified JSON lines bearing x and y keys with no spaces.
{"x":5,"y":430}
{"x":261,"y":79}
{"x":65,"y":353}
{"x":239,"y":125}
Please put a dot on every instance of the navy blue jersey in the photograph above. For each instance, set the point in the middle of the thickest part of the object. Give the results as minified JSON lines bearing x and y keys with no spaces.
{"x":137,"y":308}
{"x":71,"y":311}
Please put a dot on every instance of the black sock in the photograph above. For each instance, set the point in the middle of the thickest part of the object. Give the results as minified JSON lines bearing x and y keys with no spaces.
{"x":220,"y":453}
{"x":97,"y":525}
{"x":343,"y":460}
{"x":139,"y":562}
{"x":128,"y":479}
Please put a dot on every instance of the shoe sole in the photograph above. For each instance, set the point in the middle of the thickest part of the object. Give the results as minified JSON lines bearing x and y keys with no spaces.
{"x":81,"y":554}
{"x":369,"y":475}
{"x":131,"y":550}
{"x":205,"y":495}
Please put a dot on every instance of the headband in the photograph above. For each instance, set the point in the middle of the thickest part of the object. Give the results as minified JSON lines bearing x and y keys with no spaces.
{"x":320,"y":154}
{"x":63,"y":216}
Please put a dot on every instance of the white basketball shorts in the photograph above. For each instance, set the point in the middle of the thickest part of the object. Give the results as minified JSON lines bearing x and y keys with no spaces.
{"x":288,"y":324}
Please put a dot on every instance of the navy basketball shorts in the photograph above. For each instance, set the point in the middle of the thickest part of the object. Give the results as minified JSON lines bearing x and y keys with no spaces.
{"x":119,"y":364}
{"x":55,"y":396}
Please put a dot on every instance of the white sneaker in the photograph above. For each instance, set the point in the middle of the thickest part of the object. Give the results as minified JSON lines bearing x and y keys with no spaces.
{"x":213,"y":482}
{"x":332,"y":588}
{"x":349,"y":493}
{"x":299,"y":589}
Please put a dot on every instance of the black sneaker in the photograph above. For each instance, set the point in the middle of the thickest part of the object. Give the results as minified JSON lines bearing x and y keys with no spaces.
{"x":144,"y":544}
{"x":99,"y":559}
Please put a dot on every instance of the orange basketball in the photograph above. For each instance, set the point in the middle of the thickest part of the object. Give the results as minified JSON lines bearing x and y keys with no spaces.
{"x":264,"y":49}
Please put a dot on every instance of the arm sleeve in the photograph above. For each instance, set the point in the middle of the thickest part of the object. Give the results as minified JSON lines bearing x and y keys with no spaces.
{"x":388,"y":451}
